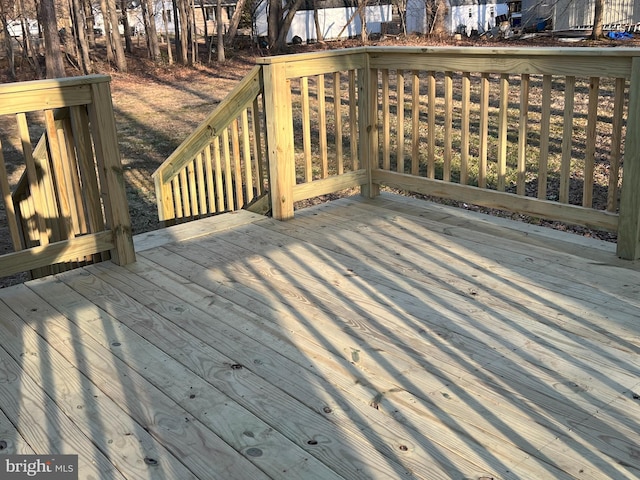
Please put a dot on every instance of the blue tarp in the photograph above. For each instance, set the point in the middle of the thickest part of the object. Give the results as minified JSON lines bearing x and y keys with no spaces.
{"x":619,"y":35}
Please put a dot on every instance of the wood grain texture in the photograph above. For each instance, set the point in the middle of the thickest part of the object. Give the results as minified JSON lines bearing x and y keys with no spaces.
{"x":384,"y":338}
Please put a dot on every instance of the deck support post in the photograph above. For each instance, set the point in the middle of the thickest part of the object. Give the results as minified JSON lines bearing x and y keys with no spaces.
{"x":279,"y":125}
{"x":111,"y":173}
{"x":629,"y":221}
{"x":368,"y":126}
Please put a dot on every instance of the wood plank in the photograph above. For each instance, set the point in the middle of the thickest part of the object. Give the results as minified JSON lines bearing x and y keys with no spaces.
{"x":236,"y":164}
{"x":192,"y":188}
{"x":35,"y":190}
{"x":484,"y":131}
{"x":567,"y":139}
{"x":200,"y":256}
{"x":200,"y":183}
{"x":42,"y":423}
{"x":169,"y":423}
{"x":306,"y":129}
{"x":192,"y":230}
{"x":194,"y":397}
{"x":538,"y":61}
{"x":523,"y":128}
{"x":431,"y":120}
{"x":503,"y":125}
{"x":228,"y":172}
{"x":448,"y":127}
{"x":258,"y":152}
{"x":10,"y":212}
{"x":246,"y":156}
{"x":415,"y":122}
{"x":386,"y":401}
{"x":337,"y":108}
{"x":598,"y":220}
{"x":590,"y":150}
{"x":545,"y":122}
{"x":400,"y":121}
{"x":353,"y":120}
{"x":56,"y":252}
{"x":279,"y":125}
{"x":322,"y":128}
{"x":386,"y":121}
{"x":210,"y":199}
{"x":194,"y":315}
{"x":464,"y":128}
{"x":615,"y":156}
{"x":107,"y":156}
{"x":329,"y":185}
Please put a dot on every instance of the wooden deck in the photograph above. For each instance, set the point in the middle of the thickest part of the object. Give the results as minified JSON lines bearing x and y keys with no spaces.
{"x":383,"y":339}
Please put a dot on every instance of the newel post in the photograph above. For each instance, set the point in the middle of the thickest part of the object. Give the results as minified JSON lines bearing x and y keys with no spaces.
{"x":279,"y":125}
{"x":103,"y":128}
{"x":629,"y":221}
{"x":368,"y":125}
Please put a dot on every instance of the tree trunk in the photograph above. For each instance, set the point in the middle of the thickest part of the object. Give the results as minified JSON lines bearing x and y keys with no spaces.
{"x":182,"y":39}
{"x":80,"y":33}
{"x":166,"y":32}
{"x":126,"y":28}
{"x":285,"y":25}
{"x":363,"y":20}
{"x":274,"y":17}
{"x":220,"y":28}
{"x":90,"y":23}
{"x":598,"y":11}
{"x":121,"y":60}
{"x":194,"y":33}
{"x":316,"y":20}
{"x":149,"y":18}
{"x":104,"y":8}
{"x":53,"y":53}
{"x":234,"y":22}
{"x":8,"y":44}
{"x":29,"y":51}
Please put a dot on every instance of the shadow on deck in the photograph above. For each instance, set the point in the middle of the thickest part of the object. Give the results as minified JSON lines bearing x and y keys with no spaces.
{"x":385,"y":338}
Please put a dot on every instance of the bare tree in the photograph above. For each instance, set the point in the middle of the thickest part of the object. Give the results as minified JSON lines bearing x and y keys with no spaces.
{"x":598,"y":11}
{"x":128,"y":46}
{"x":220,"y":27}
{"x":53,"y":54}
{"x":165,"y":22}
{"x":80,"y":34}
{"x":8,"y":42}
{"x":234,"y":22}
{"x":316,"y":21}
{"x":181,"y":22}
{"x":279,"y":22}
{"x":148,"y":17}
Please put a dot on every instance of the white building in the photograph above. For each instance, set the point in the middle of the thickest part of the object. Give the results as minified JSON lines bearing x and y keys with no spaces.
{"x":462,"y":15}
{"x":332,"y":21}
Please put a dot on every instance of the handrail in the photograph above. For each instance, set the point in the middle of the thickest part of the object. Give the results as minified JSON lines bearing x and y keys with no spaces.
{"x":496,"y":127}
{"x":70,"y":206}
{"x":207,"y":172}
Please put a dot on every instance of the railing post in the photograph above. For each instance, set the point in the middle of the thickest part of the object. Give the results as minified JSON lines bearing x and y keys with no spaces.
{"x":368,"y":125}
{"x":279,"y":125}
{"x":629,"y":221}
{"x":103,"y":128}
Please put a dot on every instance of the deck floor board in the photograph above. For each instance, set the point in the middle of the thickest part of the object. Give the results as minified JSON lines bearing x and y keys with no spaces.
{"x":386,"y":338}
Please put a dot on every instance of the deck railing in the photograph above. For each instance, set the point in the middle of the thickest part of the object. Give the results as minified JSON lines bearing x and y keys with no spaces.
{"x":69,"y":207}
{"x":220,"y":167}
{"x":544,"y":132}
